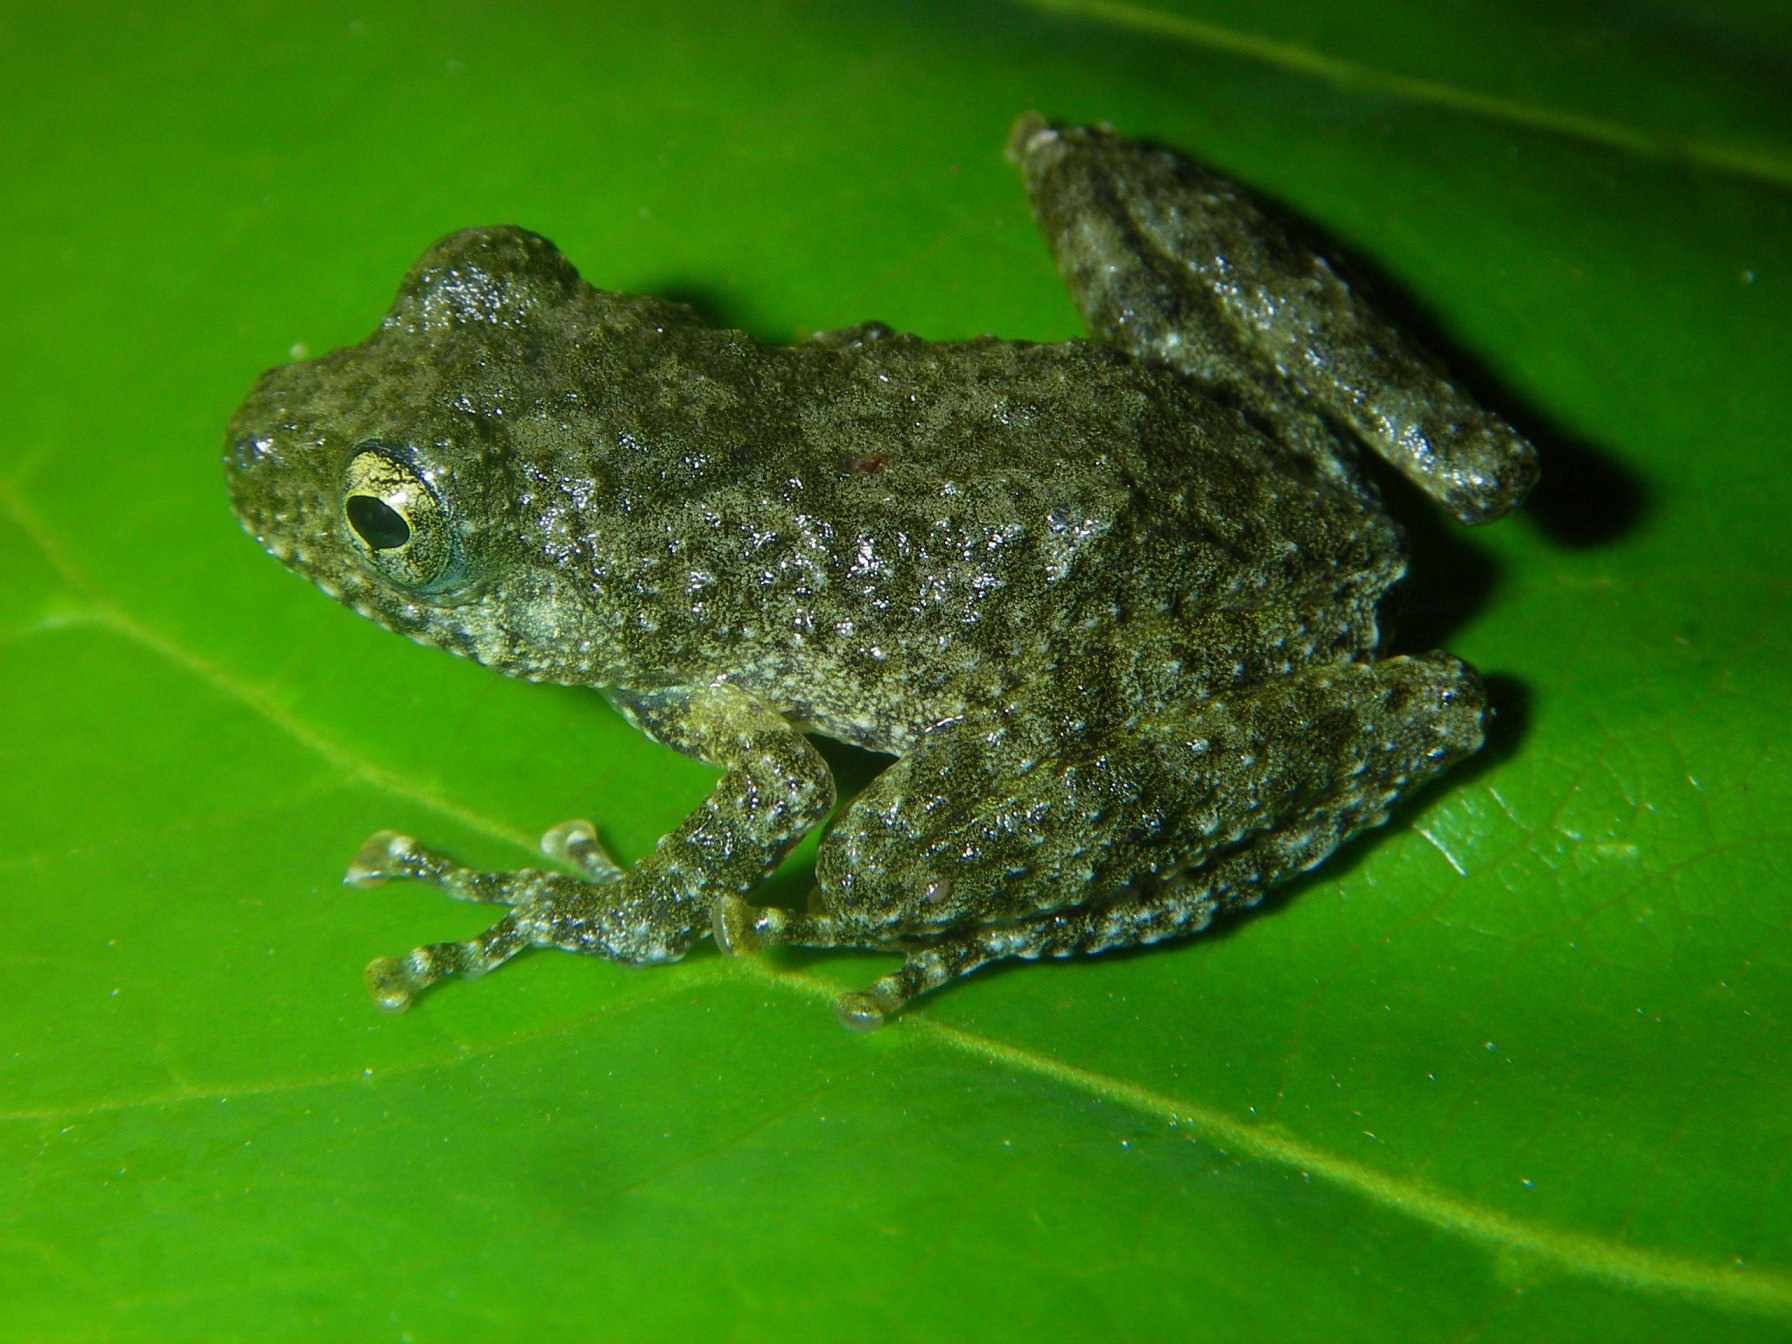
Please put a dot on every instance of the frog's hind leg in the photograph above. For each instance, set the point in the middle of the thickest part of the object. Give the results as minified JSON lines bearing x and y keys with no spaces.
{"x":395,"y":981}
{"x":1232,"y":796}
{"x":1178,"y":266}
{"x":742,"y":928}
{"x":1174,"y":909}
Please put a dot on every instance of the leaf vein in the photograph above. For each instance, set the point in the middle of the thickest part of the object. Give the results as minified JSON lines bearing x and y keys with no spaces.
{"x":107,"y":614}
{"x":1576,"y":1253}
{"x":1755,"y":163}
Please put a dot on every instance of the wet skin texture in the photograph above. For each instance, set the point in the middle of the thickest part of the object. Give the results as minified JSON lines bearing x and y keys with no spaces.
{"x":1111,"y":607}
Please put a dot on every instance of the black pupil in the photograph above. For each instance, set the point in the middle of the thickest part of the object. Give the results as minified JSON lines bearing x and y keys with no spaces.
{"x":377,"y":522}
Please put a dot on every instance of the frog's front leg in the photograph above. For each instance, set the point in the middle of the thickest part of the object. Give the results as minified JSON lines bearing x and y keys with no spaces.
{"x":774,"y":788}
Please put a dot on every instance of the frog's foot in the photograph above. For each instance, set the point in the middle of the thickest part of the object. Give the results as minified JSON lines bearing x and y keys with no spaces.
{"x":395,"y":981}
{"x":741,"y":929}
{"x":547,"y":909}
{"x":1171,"y":909}
{"x":387,"y":855}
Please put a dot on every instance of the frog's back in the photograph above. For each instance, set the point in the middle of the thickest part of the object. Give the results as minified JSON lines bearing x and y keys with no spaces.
{"x":941,"y":523}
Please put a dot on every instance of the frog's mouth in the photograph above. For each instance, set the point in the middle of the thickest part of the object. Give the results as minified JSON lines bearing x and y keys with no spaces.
{"x":533,"y":626}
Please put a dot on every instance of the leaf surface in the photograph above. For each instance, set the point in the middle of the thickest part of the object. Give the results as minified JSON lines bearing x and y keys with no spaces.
{"x":1516,"y":1067}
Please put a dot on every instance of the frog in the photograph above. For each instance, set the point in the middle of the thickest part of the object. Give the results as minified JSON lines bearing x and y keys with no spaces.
{"x":1108,"y":607}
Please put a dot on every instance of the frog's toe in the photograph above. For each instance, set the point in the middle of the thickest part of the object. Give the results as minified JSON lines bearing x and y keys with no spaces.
{"x":395,"y":981}
{"x":1027,"y":127}
{"x":858,"y":1012}
{"x":871,"y":1008}
{"x":386,"y":854}
{"x":390,"y":984}
{"x":741,"y":929}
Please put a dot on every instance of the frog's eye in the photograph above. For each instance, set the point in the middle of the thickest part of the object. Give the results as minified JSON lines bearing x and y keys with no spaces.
{"x":396,"y":520}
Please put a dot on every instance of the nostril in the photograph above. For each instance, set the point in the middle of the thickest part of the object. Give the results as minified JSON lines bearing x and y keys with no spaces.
{"x":248,"y":454}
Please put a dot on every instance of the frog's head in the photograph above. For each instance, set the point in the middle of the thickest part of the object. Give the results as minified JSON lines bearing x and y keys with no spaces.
{"x":383,"y":472}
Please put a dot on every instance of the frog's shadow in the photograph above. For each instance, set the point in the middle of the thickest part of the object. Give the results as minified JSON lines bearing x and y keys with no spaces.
{"x":715,"y":308}
{"x":1585,"y":496}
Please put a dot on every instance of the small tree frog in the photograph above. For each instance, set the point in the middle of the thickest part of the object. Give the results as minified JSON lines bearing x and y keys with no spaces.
{"x":1110,"y":605}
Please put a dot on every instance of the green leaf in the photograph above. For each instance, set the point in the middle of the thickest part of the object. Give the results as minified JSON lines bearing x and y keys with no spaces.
{"x":1516,"y":1067}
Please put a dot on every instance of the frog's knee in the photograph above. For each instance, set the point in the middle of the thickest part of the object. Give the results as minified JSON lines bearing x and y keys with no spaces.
{"x":1027,"y":130}
{"x":1450,"y":700}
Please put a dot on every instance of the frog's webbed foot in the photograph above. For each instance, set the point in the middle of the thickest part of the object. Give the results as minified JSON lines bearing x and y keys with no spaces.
{"x":1136,"y":919}
{"x":741,"y":929}
{"x":546,"y":907}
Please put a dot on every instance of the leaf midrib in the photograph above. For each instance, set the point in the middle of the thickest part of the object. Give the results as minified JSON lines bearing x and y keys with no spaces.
{"x":1758,"y":164}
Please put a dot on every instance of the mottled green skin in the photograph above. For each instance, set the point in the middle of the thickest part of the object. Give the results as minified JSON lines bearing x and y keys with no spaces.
{"x":1112,"y":607}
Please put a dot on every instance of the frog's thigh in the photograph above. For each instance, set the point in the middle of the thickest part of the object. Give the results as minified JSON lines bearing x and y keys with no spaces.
{"x":1256,"y":787}
{"x":1179,"y":266}
{"x":985,"y":818}
{"x":978,"y":826}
